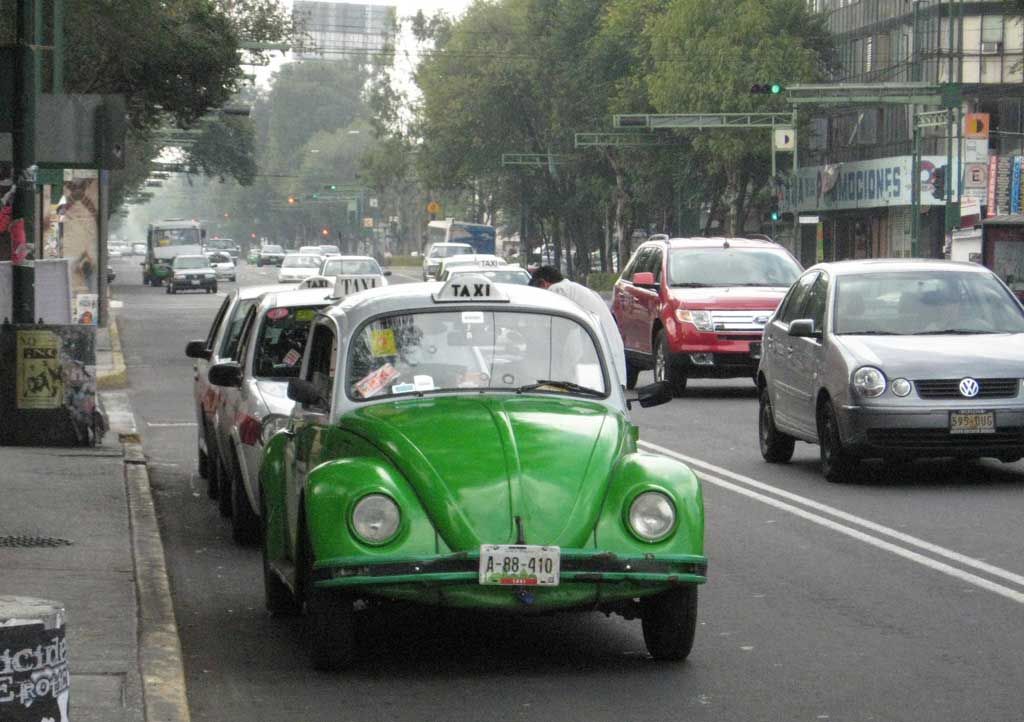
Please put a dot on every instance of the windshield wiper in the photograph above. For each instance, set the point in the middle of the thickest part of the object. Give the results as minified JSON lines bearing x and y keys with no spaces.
{"x":567,"y":385}
{"x":691,"y":285}
{"x":952,"y":332}
{"x":869,"y":333}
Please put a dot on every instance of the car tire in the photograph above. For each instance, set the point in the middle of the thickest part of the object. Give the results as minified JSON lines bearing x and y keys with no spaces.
{"x":212,"y":479}
{"x":632,"y":374}
{"x":837,"y":464}
{"x":330,"y":618}
{"x":204,"y":462}
{"x":233,"y":279}
{"x":278,"y":598}
{"x":669,"y":621}
{"x":225,"y":483}
{"x":214,"y":289}
{"x":168,"y":289}
{"x":245,"y":524}
{"x":665,"y":369}
{"x":776,"y":447}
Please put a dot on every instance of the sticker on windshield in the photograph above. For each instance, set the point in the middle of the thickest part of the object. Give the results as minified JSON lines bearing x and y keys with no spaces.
{"x":373,"y":382}
{"x":305,"y":314}
{"x":276,"y":314}
{"x":403,"y":388}
{"x":382,"y":343}
{"x":469,"y":317}
{"x":292,"y":357}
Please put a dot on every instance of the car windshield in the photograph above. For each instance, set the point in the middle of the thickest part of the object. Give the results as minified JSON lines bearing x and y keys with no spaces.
{"x":273,"y":249}
{"x":328,"y":250}
{"x":175,"y":237}
{"x":191,"y":262}
{"x":282,"y":337}
{"x":695,"y":267}
{"x":514,"y":275}
{"x":473,"y":350}
{"x":219,"y":258}
{"x":301,"y":261}
{"x":351,"y":267}
{"x":447,"y":251}
{"x":924,"y":302}
{"x":220,"y":243}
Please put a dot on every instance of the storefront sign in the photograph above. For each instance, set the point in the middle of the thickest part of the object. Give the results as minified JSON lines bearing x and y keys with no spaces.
{"x":1015,"y":186}
{"x":993,"y":168}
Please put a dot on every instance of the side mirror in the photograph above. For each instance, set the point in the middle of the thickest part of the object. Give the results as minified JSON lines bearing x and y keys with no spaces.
{"x":387,"y":273}
{"x":803,"y":328}
{"x":644,"y":278}
{"x":304,"y":392}
{"x":226,"y":374}
{"x":198,"y":350}
{"x":654,"y":394}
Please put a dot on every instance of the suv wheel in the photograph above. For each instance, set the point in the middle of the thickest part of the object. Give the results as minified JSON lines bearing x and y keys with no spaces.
{"x":665,"y":369}
{"x":837,"y":464}
{"x":632,"y":374}
{"x":776,"y":447}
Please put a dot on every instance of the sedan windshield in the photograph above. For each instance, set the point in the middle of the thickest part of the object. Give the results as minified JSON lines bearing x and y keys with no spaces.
{"x":473,"y":350}
{"x":351,"y":267}
{"x":281,"y":340}
{"x":512,"y":275}
{"x":191,"y":262}
{"x":448,"y":251}
{"x":301,"y":261}
{"x":697,"y":267}
{"x":272,"y":249}
{"x":925,"y":303}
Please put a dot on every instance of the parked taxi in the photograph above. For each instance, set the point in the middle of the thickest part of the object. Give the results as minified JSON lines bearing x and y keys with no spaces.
{"x":469,"y":445}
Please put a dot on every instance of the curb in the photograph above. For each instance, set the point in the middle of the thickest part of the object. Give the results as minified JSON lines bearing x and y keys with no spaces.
{"x":117,"y":377}
{"x":160,"y":662}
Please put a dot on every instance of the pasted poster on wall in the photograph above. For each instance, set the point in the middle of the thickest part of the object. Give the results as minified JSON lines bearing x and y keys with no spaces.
{"x":40,"y":379}
{"x":79,"y":213}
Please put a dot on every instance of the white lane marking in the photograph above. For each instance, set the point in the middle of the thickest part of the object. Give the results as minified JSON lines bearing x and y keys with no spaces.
{"x":856,"y":533}
{"x":169,"y":424}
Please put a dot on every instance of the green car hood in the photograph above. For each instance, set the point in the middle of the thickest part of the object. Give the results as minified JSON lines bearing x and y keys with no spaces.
{"x":478,"y":462}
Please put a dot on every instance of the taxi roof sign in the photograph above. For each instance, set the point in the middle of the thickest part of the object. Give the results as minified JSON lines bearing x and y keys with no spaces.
{"x":470,"y":288}
{"x":345,"y":285}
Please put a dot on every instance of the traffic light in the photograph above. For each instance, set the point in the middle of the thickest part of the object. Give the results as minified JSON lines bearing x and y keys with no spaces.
{"x":292,"y":200}
{"x":330,"y":187}
{"x":939,"y":183}
{"x":766,"y":88}
{"x":325,"y":231}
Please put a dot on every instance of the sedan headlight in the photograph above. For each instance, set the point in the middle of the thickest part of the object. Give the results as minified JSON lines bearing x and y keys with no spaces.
{"x":869,"y":381}
{"x":375,"y":518}
{"x":652,"y":516}
{"x":271,"y":425}
{"x":700,"y":319}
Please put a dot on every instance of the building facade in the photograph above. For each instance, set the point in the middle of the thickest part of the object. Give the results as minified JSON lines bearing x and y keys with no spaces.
{"x":857,"y":177}
{"x":336,"y":30}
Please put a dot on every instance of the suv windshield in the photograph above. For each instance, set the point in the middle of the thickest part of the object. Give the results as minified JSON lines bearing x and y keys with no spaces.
{"x":281,"y":340}
{"x":191,"y":262}
{"x":731,"y":267}
{"x":346,"y":267}
{"x":439,"y":251}
{"x":908,"y":303}
{"x":175,"y":237}
{"x":473,"y":350}
{"x":272,"y":249}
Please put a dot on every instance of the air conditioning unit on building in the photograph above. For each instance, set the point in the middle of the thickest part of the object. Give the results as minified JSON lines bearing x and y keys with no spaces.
{"x":991,"y":48}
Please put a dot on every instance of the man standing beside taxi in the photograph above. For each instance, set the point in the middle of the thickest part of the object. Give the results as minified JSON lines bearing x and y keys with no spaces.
{"x":590,"y":301}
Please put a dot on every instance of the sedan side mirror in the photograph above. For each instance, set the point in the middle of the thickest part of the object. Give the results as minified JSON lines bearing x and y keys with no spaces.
{"x":656,"y":394}
{"x":304,"y":392}
{"x":387,"y":273}
{"x":803,"y":328}
{"x":198,"y":350}
{"x":226,"y":374}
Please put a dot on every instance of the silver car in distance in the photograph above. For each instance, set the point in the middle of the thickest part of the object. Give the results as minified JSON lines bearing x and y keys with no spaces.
{"x":893,"y":359}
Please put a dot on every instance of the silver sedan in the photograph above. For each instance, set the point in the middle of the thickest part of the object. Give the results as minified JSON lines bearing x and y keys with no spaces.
{"x":893,"y":359}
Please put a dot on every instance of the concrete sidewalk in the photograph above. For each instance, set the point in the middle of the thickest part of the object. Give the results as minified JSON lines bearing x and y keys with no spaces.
{"x":77,"y":526}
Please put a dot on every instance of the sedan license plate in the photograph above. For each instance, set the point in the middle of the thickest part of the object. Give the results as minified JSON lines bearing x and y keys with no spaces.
{"x":755,"y":349}
{"x":972,"y":422}
{"x":516,"y":565}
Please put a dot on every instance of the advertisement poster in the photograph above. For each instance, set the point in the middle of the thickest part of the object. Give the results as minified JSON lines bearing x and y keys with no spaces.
{"x":40,"y":378}
{"x":79,"y":236}
{"x":35,"y":679}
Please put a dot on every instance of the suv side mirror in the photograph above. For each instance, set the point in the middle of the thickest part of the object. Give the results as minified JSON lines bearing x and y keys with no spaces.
{"x":387,"y":273}
{"x":225,"y":374}
{"x":644,"y":278}
{"x":304,"y":392}
{"x":803,"y":328}
{"x":198,"y":350}
{"x":656,"y":394}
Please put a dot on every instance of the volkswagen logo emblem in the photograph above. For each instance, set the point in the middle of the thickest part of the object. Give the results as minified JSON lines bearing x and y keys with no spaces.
{"x":969,"y":388}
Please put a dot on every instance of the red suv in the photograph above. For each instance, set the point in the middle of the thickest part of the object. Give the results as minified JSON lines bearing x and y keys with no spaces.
{"x":697,"y":306}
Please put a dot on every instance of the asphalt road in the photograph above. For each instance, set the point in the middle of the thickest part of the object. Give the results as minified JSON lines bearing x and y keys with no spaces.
{"x":897,"y":598}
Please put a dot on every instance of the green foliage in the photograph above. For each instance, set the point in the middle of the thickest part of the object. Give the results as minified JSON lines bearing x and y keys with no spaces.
{"x":601,"y":282}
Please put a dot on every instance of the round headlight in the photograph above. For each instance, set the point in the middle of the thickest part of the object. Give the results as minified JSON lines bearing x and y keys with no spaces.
{"x":652,"y":516}
{"x":869,"y":381}
{"x":900,"y":387}
{"x":375,"y":518}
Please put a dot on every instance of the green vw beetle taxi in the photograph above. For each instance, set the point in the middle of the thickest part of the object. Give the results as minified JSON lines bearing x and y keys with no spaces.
{"x":469,"y":445}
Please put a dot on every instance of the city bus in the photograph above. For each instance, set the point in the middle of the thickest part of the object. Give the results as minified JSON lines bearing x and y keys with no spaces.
{"x":164,"y":241}
{"x":478,"y":235}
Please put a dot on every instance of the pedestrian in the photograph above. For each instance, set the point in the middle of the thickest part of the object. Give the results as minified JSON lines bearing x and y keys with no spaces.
{"x":551,"y":278}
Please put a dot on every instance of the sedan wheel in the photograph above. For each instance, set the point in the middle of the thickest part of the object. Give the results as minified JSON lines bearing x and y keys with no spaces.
{"x":837,"y":464}
{"x":632,"y":374}
{"x":665,"y":369}
{"x":670,"y":622}
{"x":330,"y":616}
{"x":226,"y":483}
{"x":280,"y":601}
{"x":776,"y":447}
{"x":245,"y":529}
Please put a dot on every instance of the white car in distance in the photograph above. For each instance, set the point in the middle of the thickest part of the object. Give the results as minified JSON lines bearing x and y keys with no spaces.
{"x":223,"y":264}
{"x":297,"y":267}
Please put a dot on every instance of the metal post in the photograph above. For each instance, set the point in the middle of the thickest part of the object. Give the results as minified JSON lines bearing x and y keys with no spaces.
{"x":38,"y":41}
{"x":915,"y":65}
{"x":23,"y":137}
{"x":774,"y":182}
{"x":58,"y":46}
{"x":915,"y":194}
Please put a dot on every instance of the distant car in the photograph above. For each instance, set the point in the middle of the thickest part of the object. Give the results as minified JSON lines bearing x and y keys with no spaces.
{"x":695,"y":307}
{"x":894,"y":359}
{"x":480,"y":260}
{"x":329,"y":250}
{"x":270,"y":255}
{"x":223,"y":264}
{"x":227,"y":245}
{"x":354,"y":266}
{"x":138,"y":249}
{"x":437,"y":253}
{"x":496,"y":274}
{"x":298,"y":266}
{"x":310,"y":250}
{"x":192,"y":273}
{"x":117,"y":249}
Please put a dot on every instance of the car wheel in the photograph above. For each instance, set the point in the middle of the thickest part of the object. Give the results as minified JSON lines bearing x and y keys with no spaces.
{"x":225,"y":482}
{"x":837,"y":464}
{"x":168,"y":289}
{"x":776,"y":447}
{"x":214,"y":289}
{"x":280,"y":601}
{"x":245,"y":525}
{"x":204,"y":462}
{"x":233,"y":279}
{"x":669,"y":622}
{"x":212,"y":478}
{"x":330,"y":619}
{"x":665,"y":369}
{"x":632,"y":374}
